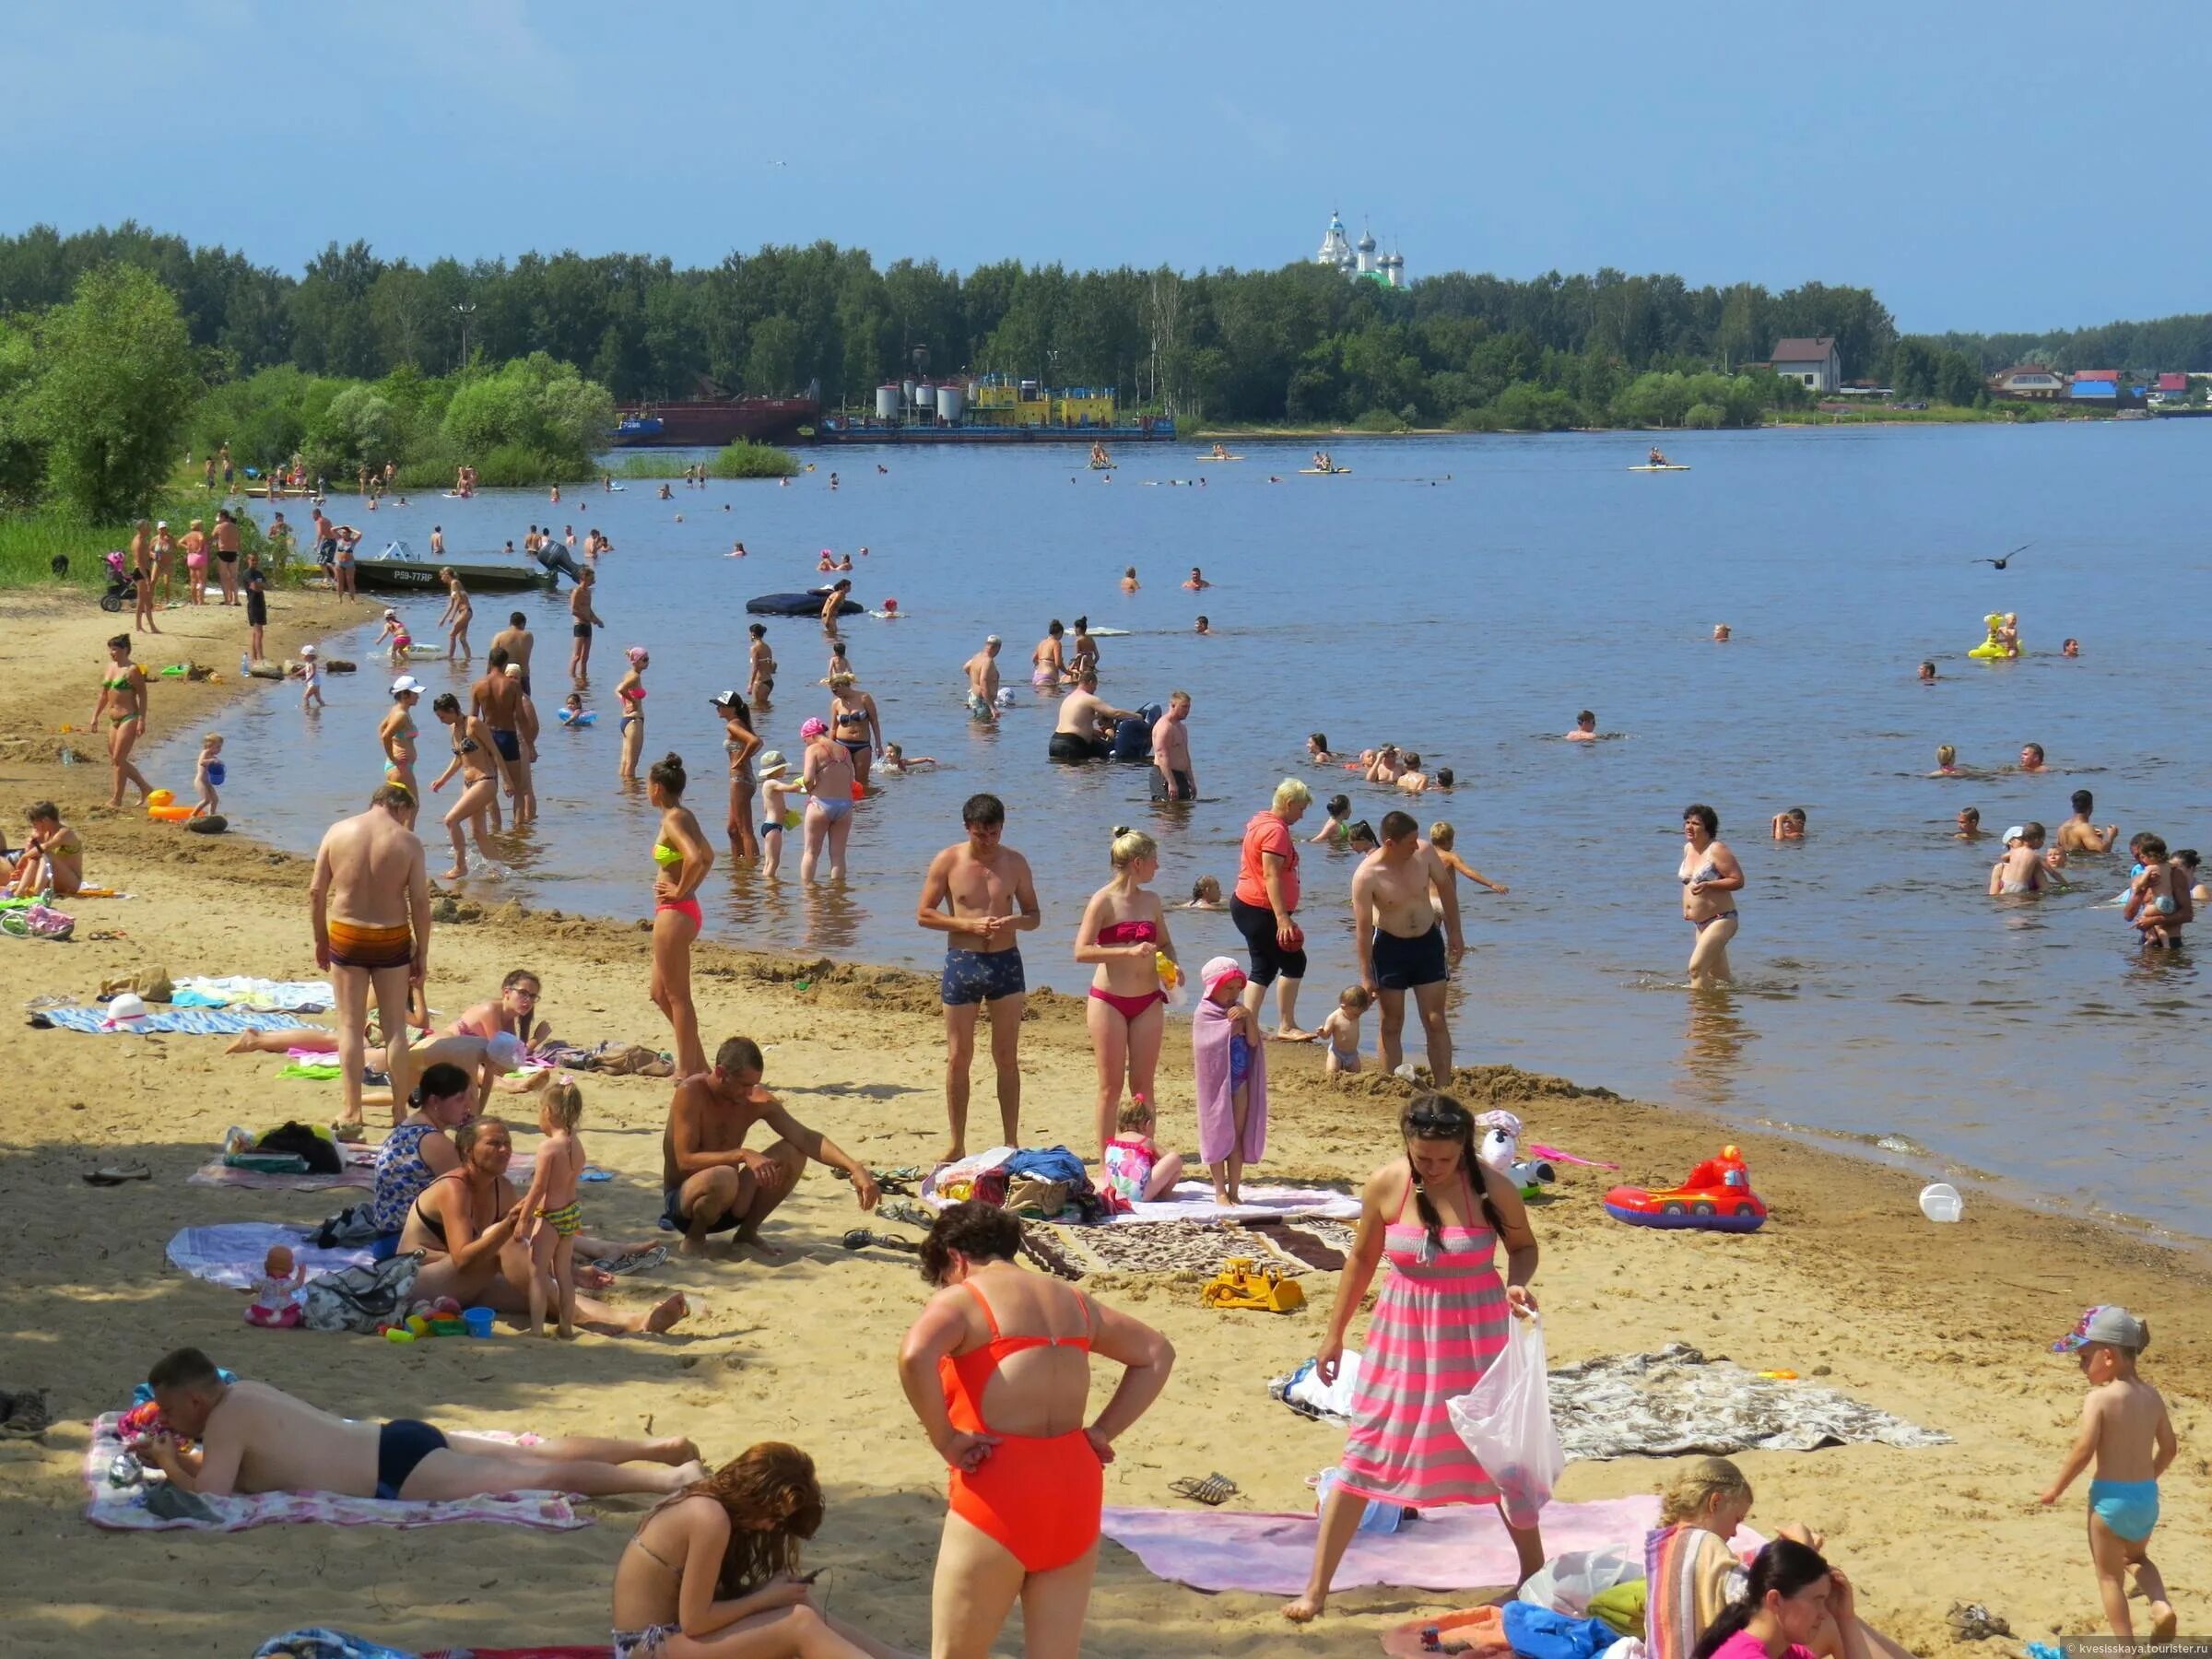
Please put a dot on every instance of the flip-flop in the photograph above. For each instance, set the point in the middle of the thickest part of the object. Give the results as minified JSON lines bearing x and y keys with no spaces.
{"x":116,"y":1174}
{"x":634,"y":1261}
{"x":1215,"y":1489}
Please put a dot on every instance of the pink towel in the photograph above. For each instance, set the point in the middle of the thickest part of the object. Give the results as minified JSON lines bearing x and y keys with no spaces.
{"x":1458,"y":1547}
{"x":1217,"y":1119}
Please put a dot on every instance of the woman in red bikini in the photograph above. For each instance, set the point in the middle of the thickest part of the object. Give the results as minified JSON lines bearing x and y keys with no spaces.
{"x":1124,"y":933}
{"x":998,"y":1370}
{"x":681,"y":859}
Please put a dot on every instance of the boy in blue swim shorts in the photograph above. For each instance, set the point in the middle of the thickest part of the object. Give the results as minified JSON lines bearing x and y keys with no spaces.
{"x":2127,"y":1432}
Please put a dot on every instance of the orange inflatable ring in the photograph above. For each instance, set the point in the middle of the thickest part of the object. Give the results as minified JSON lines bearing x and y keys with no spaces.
{"x":169,"y":815}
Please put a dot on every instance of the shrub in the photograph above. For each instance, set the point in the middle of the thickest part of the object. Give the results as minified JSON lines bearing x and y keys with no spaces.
{"x":1705,"y":416}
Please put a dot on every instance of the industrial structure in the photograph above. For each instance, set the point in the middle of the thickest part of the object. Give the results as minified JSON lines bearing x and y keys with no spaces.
{"x":990,"y":408}
{"x":1359,"y":259}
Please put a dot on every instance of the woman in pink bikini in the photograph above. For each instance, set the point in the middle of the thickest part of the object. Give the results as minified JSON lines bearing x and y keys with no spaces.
{"x":681,"y":859}
{"x":1124,"y":933}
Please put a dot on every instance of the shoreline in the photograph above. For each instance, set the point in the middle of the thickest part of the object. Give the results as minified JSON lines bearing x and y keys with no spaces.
{"x":1948,"y":1326}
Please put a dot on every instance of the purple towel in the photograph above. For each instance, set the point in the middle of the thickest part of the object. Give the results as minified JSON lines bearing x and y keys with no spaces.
{"x":1210,"y":1029}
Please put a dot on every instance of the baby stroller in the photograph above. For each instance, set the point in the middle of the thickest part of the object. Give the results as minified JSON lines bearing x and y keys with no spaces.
{"x":119,"y":581}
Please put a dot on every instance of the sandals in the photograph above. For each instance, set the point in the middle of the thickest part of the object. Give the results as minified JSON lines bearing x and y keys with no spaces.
{"x":906,"y":1210}
{"x":116,"y":1174}
{"x":643,"y":1260}
{"x":1215,"y":1489}
{"x":860,"y":1238}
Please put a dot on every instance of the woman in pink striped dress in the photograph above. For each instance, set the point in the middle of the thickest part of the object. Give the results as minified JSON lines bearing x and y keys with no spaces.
{"x":1440,"y":1320}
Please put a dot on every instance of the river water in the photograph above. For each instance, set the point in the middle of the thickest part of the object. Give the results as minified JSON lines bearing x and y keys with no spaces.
{"x":1465,"y":599}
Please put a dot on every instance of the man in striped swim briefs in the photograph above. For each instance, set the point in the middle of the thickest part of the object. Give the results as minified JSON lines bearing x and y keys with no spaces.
{"x":371,"y":906}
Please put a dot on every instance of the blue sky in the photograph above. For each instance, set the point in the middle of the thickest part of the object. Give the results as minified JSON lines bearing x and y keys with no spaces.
{"x":1980,"y":166}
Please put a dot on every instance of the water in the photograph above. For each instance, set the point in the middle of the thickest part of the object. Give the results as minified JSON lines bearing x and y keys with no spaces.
{"x":1469,"y":617}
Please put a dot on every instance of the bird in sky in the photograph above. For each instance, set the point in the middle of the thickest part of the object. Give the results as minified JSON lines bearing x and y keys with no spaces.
{"x":2009,"y":557}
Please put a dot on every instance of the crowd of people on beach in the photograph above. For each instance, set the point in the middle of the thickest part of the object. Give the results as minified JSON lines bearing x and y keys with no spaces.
{"x":996,"y":1367}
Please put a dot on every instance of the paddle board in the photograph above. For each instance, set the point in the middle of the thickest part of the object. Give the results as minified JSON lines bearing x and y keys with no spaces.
{"x":1109,"y":633}
{"x":1221,"y":457}
{"x":1325,"y":472}
{"x":1670,"y":466}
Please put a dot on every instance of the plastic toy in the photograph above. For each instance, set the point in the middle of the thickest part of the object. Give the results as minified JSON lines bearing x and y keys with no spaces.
{"x":1501,"y":1149}
{"x":1715,"y":1199}
{"x":1238,"y":1286}
{"x":1993,"y":647}
{"x":159,"y":798}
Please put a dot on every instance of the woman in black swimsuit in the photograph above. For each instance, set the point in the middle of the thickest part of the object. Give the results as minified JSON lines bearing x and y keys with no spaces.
{"x":464,"y":1222}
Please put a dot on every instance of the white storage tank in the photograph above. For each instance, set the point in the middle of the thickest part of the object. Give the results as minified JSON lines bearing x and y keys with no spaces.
{"x":952,"y":404}
{"x":887,"y":402}
{"x":925,"y":397}
{"x":906,"y":393}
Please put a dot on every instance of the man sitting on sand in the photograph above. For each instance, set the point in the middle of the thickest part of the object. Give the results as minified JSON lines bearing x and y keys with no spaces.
{"x":255,"y":1437}
{"x":710,"y":1182}
{"x":52,"y":859}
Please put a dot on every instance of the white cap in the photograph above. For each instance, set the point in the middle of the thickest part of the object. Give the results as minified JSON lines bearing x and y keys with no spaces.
{"x":404,"y":684}
{"x":307,"y":651}
{"x":160,"y":523}
{"x":2017,"y":832}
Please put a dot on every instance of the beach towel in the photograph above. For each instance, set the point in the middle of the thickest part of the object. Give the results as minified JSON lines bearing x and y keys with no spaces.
{"x":1210,"y":1029}
{"x":1193,"y":1200}
{"x":1459,"y":1547}
{"x":1182,"y":1247}
{"x":182,"y":1022}
{"x":231,"y":1253}
{"x":122,"y":1509}
{"x":319,"y":1641}
{"x":1676,"y":1400}
{"x":237,"y":990}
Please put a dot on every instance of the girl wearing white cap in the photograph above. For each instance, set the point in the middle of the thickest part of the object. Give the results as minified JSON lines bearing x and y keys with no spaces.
{"x":396,"y":734}
{"x":396,"y":631}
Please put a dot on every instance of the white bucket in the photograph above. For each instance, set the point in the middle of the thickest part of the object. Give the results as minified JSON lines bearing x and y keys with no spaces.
{"x":1941,"y":1201}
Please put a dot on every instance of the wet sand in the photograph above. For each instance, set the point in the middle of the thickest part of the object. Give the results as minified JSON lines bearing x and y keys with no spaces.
{"x":1948,"y":1326}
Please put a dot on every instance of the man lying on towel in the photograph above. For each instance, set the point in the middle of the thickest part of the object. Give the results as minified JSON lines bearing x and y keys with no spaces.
{"x":258,"y":1439}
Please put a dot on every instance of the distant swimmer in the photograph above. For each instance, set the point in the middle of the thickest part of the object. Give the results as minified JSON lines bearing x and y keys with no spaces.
{"x":1196,"y":580}
{"x":1790,"y":825}
{"x":2001,"y":563}
{"x":2072,"y":648}
{"x":1721,"y":633}
{"x":1585,"y":728}
{"x":1129,"y":582}
{"x":1205,"y":627}
{"x":1946,"y":762}
{"x":2032,"y":758}
{"x":1970,"y":825}
{"x":1220,"y":451}
{"x":1927,"y":674}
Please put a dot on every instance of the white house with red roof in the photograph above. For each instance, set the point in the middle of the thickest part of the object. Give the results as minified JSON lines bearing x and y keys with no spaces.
{"x":1813,"y":363}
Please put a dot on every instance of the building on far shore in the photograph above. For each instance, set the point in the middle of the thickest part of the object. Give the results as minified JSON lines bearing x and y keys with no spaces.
{"x":1812,"y":363}
{"x":1360,"y":260}
{"x":2030,"y":380}
{"x":2095,"y":386}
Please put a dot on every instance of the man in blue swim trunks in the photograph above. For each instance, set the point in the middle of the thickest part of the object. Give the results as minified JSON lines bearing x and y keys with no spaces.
{"x":1405,"y":928}
{"x":255,"y":1437}
{"x":979,"y":894}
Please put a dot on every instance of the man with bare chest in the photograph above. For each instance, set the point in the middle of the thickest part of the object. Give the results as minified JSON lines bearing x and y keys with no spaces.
{"x":1406,"y":940}
{"x":979,"y":895}
{"x":500,"y":699}
{"x":518,"y":642}
{"x":370,"y":906}
{"x":710,"y":1182}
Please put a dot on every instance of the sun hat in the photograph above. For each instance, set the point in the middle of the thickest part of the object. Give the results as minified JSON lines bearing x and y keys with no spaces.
{"x":769,"y":763}
{"x":2109,"y":1324}
{"x":1218,"y":970}
{"x":307,"y":651}
{"x":160,"y":523}
{"x":514,"y":668}
{"x":504,"y":1049}
{"x":814,"y":727}
{"x":404,"y":684}
{"x":128,"y":1009}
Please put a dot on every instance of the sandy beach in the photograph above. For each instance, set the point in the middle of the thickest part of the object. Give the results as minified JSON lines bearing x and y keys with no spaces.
{"x":1947,"y":1327}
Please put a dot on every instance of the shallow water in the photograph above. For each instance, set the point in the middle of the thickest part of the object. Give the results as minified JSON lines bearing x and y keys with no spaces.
{"x":1465,"y":599}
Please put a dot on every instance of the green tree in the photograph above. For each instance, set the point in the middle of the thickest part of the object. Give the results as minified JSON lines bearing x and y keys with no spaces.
{"x":114,"y":386}
{"x":22,"y":447}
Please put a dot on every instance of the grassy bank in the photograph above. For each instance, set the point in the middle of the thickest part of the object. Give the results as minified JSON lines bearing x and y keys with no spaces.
{"x":30,"y":542}
{"x":739,"y":460}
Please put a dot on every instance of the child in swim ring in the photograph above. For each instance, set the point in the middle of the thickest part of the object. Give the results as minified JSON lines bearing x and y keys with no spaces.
{"x":208,"y":774}
{"x":573,"y":713}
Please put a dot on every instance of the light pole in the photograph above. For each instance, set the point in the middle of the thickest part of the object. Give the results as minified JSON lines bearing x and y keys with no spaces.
{"x":465,"y":313}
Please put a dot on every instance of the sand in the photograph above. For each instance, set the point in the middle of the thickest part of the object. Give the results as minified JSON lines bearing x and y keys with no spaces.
{"x":1945,"y":1326}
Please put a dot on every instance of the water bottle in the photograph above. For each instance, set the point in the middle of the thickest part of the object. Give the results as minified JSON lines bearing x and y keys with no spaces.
{"x":245,"y":662}
{"x":68,"y":756}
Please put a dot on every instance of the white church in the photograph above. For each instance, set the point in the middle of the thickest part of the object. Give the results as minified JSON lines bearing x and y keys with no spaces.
{"x":1359,"y":260}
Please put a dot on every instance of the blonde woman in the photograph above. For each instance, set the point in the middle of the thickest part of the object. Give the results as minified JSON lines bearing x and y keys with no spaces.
{"x":142,"y":578}
{"x":454,"y":619}
{"x":1123,"y":937}
{"x":629,"y":692}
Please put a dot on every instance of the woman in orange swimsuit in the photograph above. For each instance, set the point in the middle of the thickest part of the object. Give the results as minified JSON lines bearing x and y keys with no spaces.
{"x":998,"y":1370}
{"x":1124,"y":933}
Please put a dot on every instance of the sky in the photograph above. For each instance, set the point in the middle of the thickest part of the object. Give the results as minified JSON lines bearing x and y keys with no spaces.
{"x":1981,"y":167}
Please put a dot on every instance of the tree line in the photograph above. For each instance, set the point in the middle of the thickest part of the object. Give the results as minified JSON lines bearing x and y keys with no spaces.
{"x":1301,"y":343}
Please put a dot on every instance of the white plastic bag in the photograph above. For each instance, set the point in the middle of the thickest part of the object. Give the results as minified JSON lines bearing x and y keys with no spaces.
{"x":1506,"y":1421}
